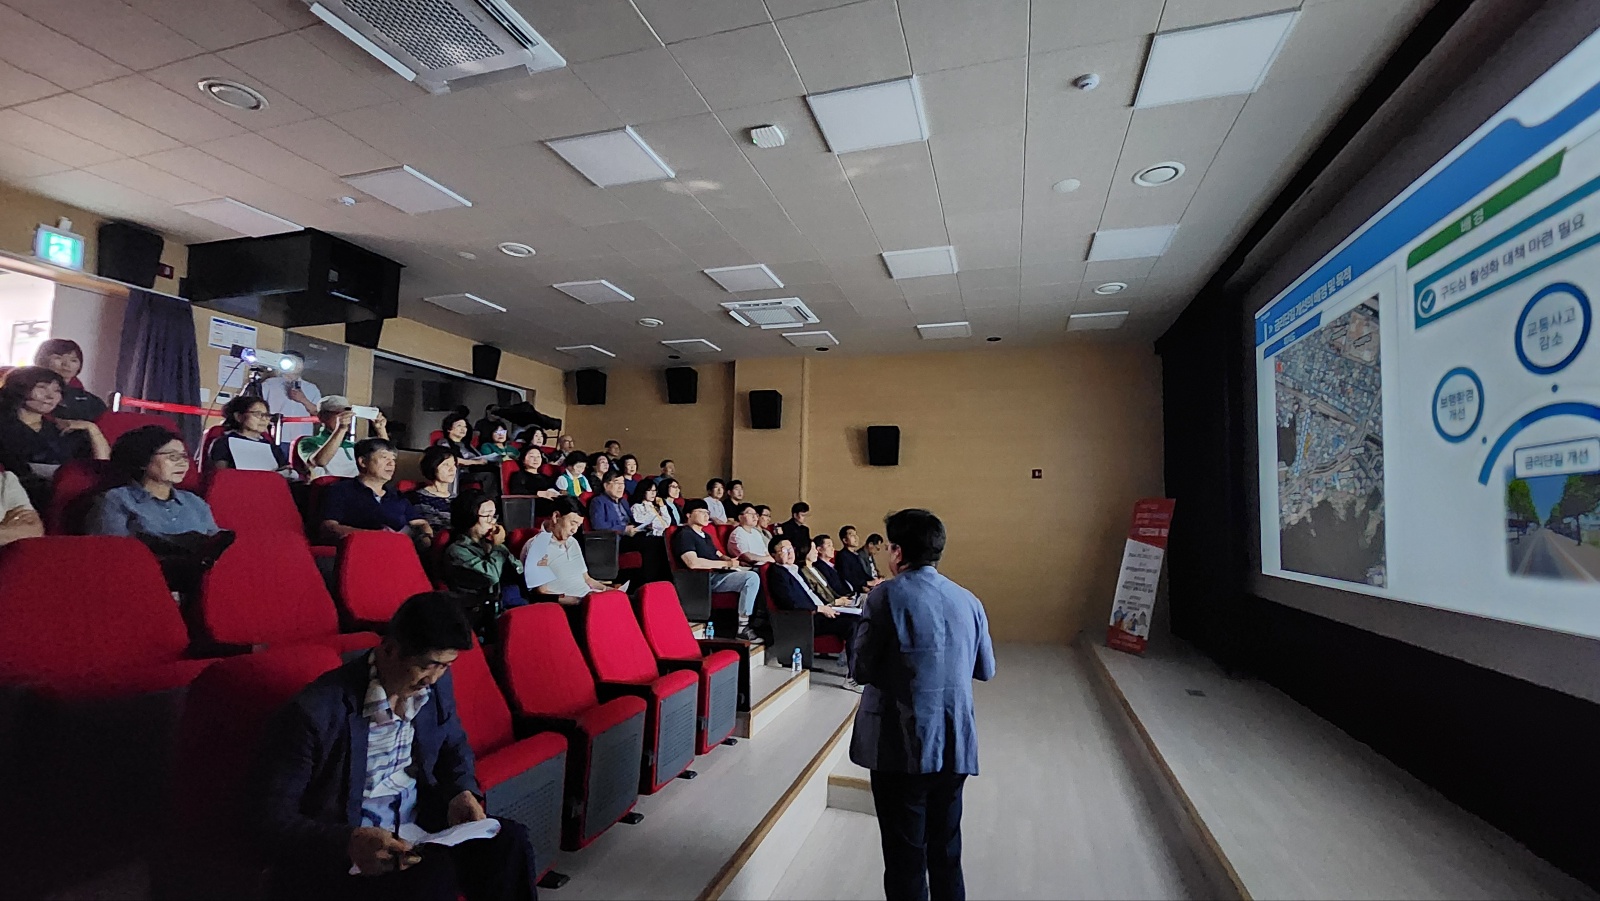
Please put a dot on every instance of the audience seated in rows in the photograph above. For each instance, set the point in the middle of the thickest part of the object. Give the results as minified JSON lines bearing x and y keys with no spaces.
{"x":566,"y":445}
{"x":695,"y":550}
{"x":64,"y":357}
{"x":613,"y":450}
{"x":795,"y":529}
{"x":735,"y":497}
{"x":747,"y":542}
{"x":33,"y":441}
{"x":764,"y":521}
{"x":331,"y":449}
{"x":148,"y":463}
{"x":795,"y":586}
{"x":716,"y":490}
{"x":823,"y":565}
{"x":246,"y":419}
{"x":494,"y":440}
{"x":552,"y":561}
{"x":473,"y":465}
{"x":366,"y":503}
{"x":533,"y":436}
{"x":599,"y":465}
{"x":572,"y":482}
{"x":609,"y":511}
{"x":18,"y":518}
{"x":530,"y":480}
{"x":854,"y":562}
{"x":649,"y":511}
{"x":430,"y":502}
{"x":319,"y":811}
{"x":672,"y":493}
{"x":477,"y":561}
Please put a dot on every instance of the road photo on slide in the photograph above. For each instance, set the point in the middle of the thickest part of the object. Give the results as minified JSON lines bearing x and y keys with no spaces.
{"x":1330,"y":451}
{"x":1553,"y":527}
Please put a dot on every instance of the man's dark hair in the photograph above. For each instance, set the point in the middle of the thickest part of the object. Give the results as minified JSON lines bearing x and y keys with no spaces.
{"x":625,"y":458}
{"x":772,"y":546}
{"x":576,"y":456}
{"x":843,"y":530}
{"x":873,"y":539}
{"x":136,"y":447}
{"x":432,"y":621}
{"x":713,"y":483}
{"x":612,"y":475}
{"x":464,"y":511}
{"x":664,"y":463}
{"x":432,"y":459}
{"x":690,"y":506}
{"x":613,"y":441}
{"x":738,"y":509}
{"x":366,"y":447}
{"x":763,"y":508}
{"x":821,"y":540}
{"x":799,"y":507}
{"x":739,"y":482}
{"x":919,"y":535}
{"x":566,"y":504}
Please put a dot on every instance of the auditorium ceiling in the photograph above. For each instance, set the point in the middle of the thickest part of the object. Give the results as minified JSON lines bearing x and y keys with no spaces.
{"x":99,"y":107}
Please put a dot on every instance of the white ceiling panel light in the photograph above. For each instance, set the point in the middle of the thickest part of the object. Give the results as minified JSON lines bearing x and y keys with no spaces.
{"x":1159,"y":174}
{"x":936,"y":330}
{"x":610,"y":158}
{"x":921,"y":262}
{"x":516,"y":249}
{"x":1212,"y":60}
{"x":240,"y":217}
{"x":1083,"y":322}
{"x":587,"y":351}
{"x":735,"y":279}
{"x":782,"y":312}
{"x":594,"y":292}
{"x":1131,"y":243}
{"x":407,"y":190}
{"x":820,"y":338}
{"x":1111,"y":288}
{"x":692,"y":346}
{"x":465,"y":304}
{"x":875,"y":115}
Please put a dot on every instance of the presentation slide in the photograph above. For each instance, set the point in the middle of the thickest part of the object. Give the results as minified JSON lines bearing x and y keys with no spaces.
{"x":1428,"y":400}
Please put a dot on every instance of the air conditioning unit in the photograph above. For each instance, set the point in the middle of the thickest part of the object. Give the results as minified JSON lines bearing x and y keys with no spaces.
{"x":784,"y":312}
{"x":435,"y":42}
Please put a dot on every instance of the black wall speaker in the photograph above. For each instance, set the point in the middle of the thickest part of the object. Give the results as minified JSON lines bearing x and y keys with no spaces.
{"x":590,"y":386}
{"x":766,"y":410}
{"x":683,"y":385}
{"x":129,"y":254}
{"x":883,"y":445}
{"x":364,"y":334}
{"x":486,"y":361}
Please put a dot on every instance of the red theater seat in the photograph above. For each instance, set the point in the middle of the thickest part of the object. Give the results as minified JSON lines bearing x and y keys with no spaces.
{"x":377,"y":571}
{"x":625,"y":666}
{"x":115,"y":425}
{"x":691,"y":594}
{"x":266,"y":590}
{"x":245,"y":501}
{"x":790,"y":628}
{"x":524,"y":779}
{"x":507,"y":467}
{"x":723,"y":672}
{"x":207,"y":440}
{"x":550,"y":687}
{"x":75,"y":486}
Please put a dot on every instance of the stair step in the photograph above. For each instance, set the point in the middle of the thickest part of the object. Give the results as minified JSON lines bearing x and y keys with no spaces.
{"x":850,"y":788}
{"x":772,"y":691}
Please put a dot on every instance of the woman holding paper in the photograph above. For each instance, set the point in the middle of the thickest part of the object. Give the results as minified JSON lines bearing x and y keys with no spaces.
{"x":245,"y":444}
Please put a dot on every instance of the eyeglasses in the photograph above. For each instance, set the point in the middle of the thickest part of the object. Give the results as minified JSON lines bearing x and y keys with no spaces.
{"x":174,"y":456}
{"x":488,"y":516}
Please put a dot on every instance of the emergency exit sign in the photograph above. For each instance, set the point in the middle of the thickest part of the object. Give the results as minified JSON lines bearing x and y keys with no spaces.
{"x":58,"y":246}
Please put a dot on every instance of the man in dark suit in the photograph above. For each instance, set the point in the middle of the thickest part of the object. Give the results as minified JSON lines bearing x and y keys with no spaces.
{"x":369,"y":754}
{"x":922,"y":641}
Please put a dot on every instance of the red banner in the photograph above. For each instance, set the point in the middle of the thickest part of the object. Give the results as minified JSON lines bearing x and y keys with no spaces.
{"x":1142,"y":556}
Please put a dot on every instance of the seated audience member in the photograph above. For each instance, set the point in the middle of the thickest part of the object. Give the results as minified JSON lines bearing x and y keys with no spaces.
{"x":764,"y":521}
{"x":485,"y":426}
{"x":573,"y":482}
{"x":859,"y":574}
{"x":322,"y":807}
{"x":34,"y":441}
{"x":716,"y":490}
{"x":609,"y":511}
{"x":796,"y":530}
{"x":695,"y":551}
{"x":789,"y":589}
{"x":552,"y":561}
{"x":64,"y":357}
{"x":494,"y":441}
{"x":533,"y":436}
{"x":672,"y":494}
{"x":629,"y":464}
{"x":613,"y":449}
{"x":431,"y":502}
{"x":565,"y":446}
{"x":477,"y":560}
{"x":735,"y":497}
{"x":747,"y":542}
{"x":669,"y":470}
{"x":474,"y":466}
{"x":528,"y":479}
{"x":366,"y":503}
{"x":599,"y":465}
{"x":869,"y":556}
{"x":331,"y":449}
{"x":150,"y":461}
{"x":649,"y":510}
{"x":18,"y":519}
{"x":246,"y":419}
{"x":824,"y":566}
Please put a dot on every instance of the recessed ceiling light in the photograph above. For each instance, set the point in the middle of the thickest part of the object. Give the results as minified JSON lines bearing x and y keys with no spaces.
{"x":1212,"y":60}
{"x":651,"y":322}
{"x":1131,"y":243}
{"x":241,"y":217}
{"x":876,"y":115}
{"x":466,"y":255}
{"x":1079,"y":322}
{"x":921,"y":262}
{"x":992,"y":338}
{"x":609,"y":158}
{"x":1111,"y":288}
{"x":1159,"y":174}
{"x":734,"y":279}
{"x":674,"y":356}
{"x":824,"y":349}
{"x":1066,"y":186}
{"x":231,"y":93}
{"x":407,"y":190}
{"x":347,"y":200}
{"x":516,"y":249}
{"x":593,"y":292}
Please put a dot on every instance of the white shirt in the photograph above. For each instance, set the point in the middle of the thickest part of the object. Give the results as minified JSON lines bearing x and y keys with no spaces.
{"x":275,"y":391}
{"x":389,"y":794}
{"x":557,"y":565}
{"x":11,"y":494}
{"x":648,"y":516}
{"x":715,"y":508}
{"x":749,"y":541}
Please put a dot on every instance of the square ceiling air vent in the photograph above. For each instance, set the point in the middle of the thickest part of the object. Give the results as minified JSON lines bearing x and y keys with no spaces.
{"x":755,"y":277}
{"x":465,"y":304}
{"x":937,"y":330}
{"x":240,"y":217}
{"x":783,"y":312}
{"x":593,"y":292}
{"x":407,"y":190}
{"x":811,"y":339}
{"x":692,"y":346}
{"x":921,"y":262}
{"x":587,"y":351}
{"x":1079,"y":322}
{"x":610,"y":158}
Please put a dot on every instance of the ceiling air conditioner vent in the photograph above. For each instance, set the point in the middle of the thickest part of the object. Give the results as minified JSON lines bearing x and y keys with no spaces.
{"x":784,"y":312}
{"x":436,"y":42}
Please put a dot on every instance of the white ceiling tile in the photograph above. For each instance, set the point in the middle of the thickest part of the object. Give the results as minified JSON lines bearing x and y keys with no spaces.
{"x":181,"y":78}
{"x":185,"y":118}
{"x":665,"y":199}
{"x":18,"y":164}
{"x":991,"y":254}
{"x":928,"y":267}
{"x":224,"y":179}
{"x":51,"y":55}
{"x":592,"y":29}
{"x":895,"y":183}
{"x":556,"y":104}
{"x":291,"y":13}
{"x":475,"y":112}
{"x":329,"y":146}
{"x":142,"y":176}
{"x":1067,"y":267}
{"x":627,"y":236}
{"x":678,"y":20}
{"x":1332,"y":38}
{"x":91,"y":121}
{"x":1055,"y":295}
{"x":1052,"y":98}
{"x":988,"y":95}
{"x":17,"y":86}
{"x":886,"y":114}
{"x":85,"y":189}
{"x":260,"y":157}
{"x":112,"y":28}
{"x":847,"y":46}
{"x":739,"y":68}
{"x":214,"y":24}
{"x":1191,"y":13}
{"x":1059,"y":24}
{"x":48,"y":140}
{"x":801,"y":137}
{"x":949,"y":34}
{"x":394,"y":128}
{"x":643,"y":86}
{"x":1127,"y":271}
{"x":978,"y":170}
{"x":1212,"y":60}
{"x":316,"y":80}
{"x":783,"y":9}
{"x":920,"y":232}
{"x":992,"y":226}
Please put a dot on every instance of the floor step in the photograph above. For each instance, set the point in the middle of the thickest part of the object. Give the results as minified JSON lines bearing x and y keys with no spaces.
{"x":850,"y":788}
{"x":773,"y":690}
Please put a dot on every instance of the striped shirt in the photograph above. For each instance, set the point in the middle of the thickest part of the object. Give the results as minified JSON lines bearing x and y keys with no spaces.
{"x":389,"y":796}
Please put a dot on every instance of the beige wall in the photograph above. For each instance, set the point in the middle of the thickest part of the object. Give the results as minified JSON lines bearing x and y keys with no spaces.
{"x":636,"y":413}
{"x":1043,"y":555}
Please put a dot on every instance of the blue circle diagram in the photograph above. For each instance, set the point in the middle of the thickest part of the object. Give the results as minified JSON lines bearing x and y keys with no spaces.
{"x":1553,"y":328}
{"x":1458,"y":405}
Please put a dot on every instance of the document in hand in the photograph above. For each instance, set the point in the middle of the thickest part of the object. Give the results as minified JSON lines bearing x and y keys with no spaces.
{"x":455,"y":835}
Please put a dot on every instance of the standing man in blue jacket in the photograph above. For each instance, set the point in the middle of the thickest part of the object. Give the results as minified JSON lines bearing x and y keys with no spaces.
{"x":921,"y":642}
{"x":368,"y":754}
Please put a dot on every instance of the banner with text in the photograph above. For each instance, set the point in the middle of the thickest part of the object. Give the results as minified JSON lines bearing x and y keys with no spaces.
{"x":1142,"y":557}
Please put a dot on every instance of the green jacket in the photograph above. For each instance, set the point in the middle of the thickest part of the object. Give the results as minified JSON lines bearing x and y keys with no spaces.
{"x":478,"y":565}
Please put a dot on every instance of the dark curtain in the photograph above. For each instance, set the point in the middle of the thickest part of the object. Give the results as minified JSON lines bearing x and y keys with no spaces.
{"x":160,"y":359}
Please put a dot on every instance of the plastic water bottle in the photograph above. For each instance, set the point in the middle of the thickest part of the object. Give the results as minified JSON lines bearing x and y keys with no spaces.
{"x":711,"y":629}
{"x":794,"y":661}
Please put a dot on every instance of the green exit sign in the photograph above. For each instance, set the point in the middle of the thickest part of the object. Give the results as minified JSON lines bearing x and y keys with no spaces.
{"x":54,"y":245}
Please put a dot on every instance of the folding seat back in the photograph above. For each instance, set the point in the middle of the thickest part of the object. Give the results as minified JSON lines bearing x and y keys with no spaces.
{"x":624,"y":664}
{"x":208,"y":439}
{"x":75,"y":487}
{"x":790,"y":628}
{"x":114,"y":425}
{"x":507,"y":467}
{"x":665,"y":627}
{"x":377,"y":571}
{"x":719,"y":533}
{"x":246,"y":501}
{"x":237,"y":606}
{"x":724,"y":672}
{"x":600,"y":553}
{"x":545,"y":673}
{"x":694,"y":588}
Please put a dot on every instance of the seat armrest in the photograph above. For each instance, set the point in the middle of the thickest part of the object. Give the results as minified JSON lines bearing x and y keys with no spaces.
{"x":673,"y":666}
{"x":524,"y":726}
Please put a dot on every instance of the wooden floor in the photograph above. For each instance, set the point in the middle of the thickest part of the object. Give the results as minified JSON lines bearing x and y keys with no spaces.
{"x":1302,"y":810}
{"x":1058,"y":812}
